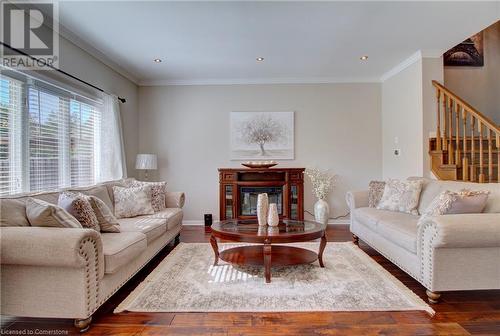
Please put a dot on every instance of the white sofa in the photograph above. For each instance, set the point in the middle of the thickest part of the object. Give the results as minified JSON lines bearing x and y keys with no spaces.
{"x":69,"y":272}
{"x":443,"y":253}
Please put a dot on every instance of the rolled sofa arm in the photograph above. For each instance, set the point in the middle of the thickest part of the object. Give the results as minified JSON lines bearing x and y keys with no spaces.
{"x":58,"y":247}
{"x":357,"y":199}
{"x":175,"y":199}
{"x":463,"y":230}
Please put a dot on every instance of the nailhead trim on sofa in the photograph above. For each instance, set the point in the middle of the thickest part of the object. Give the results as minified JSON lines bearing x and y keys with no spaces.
{"x":92,"y":288}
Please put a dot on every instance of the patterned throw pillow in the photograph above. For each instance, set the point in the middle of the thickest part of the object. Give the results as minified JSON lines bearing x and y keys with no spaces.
{"x":461,"y":202}
{"x":401,"y":196}
{"x":107,"y":221}
{"x":41,"y":213}
{"x":158,"y":193}
{"x":133,"y":201}
{"x":375,"y":192}
{"x":78,"y":205}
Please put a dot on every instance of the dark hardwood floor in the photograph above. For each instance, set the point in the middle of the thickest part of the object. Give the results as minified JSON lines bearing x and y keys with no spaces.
{"x":459,"y":313}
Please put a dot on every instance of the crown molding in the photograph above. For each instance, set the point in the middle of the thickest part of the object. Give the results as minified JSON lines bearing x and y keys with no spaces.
{"x":100,"y":56}
{"x":255,"y":81}
{"x":401,"y":66}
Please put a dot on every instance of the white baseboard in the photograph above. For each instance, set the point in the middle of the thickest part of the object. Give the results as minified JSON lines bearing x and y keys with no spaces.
{"x":200,"y":222}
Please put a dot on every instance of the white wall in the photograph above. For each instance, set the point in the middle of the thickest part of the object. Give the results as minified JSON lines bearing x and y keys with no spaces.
{"x":409,"y":117}
{"x":480,"y":86}
{"x":81,"y":64}
{"x":402,"y":123}
{"x":337,"y":126}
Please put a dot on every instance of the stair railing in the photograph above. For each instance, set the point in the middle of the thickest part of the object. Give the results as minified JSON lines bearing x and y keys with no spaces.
{"x":453,"y":114}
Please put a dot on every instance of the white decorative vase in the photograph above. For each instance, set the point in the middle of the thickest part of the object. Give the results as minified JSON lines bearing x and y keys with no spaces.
{"x":321,"y":211}
{"x":272,"y":217}
{"x":262,"y":208}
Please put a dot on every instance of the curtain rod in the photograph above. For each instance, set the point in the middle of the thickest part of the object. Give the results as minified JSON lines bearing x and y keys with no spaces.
{"x":123,"y":100}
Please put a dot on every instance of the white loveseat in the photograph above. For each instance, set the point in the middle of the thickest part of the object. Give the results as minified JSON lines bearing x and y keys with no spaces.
{"x":70,"y":272}
{"x":444,"y":253}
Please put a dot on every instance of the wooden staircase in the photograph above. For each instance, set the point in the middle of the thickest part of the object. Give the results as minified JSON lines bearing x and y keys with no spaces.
{"x":467,"y":143}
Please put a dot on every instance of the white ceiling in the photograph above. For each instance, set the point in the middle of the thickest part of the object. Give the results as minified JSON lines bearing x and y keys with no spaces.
{"x":217,"y":42}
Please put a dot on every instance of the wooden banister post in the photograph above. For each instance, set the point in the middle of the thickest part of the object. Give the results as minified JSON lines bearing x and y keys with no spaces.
{"x":445,"y":119}
{"x":490,"y":156}
{"x":473,"y":149}
{"x":451,"y":154}
{"x":465,"y":159}
{"x":458,"y":160}
{"x":438,"y":130}
{"x":481,"y":154}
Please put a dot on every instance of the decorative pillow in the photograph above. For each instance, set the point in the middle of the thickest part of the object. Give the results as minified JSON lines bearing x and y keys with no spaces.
{"x":107,"y":221}
{"x":78,"y":205}
{"x":158,"y":191}
{"x":133,"y":201}
{"x":461,"y":202}
{"x":375,"y":192}
{"x":41,"y":213}
{"x":401,"y":196}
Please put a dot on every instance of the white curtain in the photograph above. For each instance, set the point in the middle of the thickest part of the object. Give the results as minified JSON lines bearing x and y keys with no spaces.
{"x":112,"y":164}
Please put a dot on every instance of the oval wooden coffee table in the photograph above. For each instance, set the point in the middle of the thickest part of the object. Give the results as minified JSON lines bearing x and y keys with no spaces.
{"x":268,"y":253}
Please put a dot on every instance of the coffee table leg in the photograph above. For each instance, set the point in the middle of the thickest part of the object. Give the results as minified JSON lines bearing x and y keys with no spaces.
{"x":322,"y":246}
{"x":215,"y":247}
{"x":267,"y":261}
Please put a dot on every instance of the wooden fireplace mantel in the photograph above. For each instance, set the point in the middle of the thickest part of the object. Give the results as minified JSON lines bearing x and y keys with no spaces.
{"x":231,"y":180}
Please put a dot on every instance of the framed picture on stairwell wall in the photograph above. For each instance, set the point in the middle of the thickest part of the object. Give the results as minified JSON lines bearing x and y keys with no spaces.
{"x":468,"y":53}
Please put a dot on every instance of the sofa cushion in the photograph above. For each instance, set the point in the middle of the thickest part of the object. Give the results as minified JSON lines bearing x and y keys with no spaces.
{"x":401,"y":229}
{"x":101,"y":192}
{"x":121,"y":248}
{"x":171,"y":215}
{"x":13,"y":212}
{"x":151,"y":227}
{"x":398,"y":227}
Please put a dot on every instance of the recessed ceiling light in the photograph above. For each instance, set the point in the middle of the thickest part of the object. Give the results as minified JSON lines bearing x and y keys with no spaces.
{"x":363,"y":58}
{"x":260,"y":59}
{"x":157,"y":60}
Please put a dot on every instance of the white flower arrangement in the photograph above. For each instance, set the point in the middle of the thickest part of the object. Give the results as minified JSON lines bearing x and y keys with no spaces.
{"x":322,"y":182}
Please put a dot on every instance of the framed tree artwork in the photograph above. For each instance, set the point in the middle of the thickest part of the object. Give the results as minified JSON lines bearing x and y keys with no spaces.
{"x":468,"y":53}
{"x":262,"y":135}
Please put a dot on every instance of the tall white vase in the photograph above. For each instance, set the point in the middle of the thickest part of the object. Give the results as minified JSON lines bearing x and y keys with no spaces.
{"x":321,"y":211}
{"x":262,"y":208}
{"x":273,"y":218}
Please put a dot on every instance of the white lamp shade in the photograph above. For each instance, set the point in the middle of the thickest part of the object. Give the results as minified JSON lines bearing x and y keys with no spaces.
{"x":146,"y":161}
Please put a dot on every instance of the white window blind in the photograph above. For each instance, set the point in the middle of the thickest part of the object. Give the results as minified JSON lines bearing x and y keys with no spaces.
{"x":10,"y":136}
{"x":50,"y":142}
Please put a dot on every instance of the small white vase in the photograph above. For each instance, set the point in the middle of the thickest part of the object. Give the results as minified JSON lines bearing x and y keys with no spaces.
{"x":321,"y":211}
{"x":262,"y":208}
{"x":273,"y":218}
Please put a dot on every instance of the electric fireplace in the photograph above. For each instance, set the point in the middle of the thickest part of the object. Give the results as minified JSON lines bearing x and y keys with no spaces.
{"x":239,"y":189}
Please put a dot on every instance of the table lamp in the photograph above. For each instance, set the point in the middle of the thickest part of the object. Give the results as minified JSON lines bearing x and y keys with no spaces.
{"x":146,"y":162}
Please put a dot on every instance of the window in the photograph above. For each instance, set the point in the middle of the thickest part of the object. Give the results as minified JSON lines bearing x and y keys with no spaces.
{"x":50,"y":138}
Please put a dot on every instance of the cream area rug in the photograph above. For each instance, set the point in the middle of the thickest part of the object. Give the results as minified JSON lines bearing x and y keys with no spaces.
{"x":186,"y":281}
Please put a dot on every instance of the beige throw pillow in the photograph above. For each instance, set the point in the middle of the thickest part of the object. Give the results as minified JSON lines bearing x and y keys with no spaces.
{"x":158,"y":193}
{"x":375,"y":192}
{"x":41,"y":213}
{"x":401,"y":196}
{"x":107,"y":221}
{"x":461,"y":202}
{"x":78,"y":205}
{"x":133,"y":201}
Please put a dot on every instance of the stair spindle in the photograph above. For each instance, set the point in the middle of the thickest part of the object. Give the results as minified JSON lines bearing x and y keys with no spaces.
{"x":498,"y":157}
{"x":465,"y":159}
{"x":445,"y":119}
{"x":451,"y":156}
{"x":481,"y":154}
{"x":490,"y":156}
{"x":458,"y":160}
{"x":438,"y":131}
{"x":473,"y":149}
